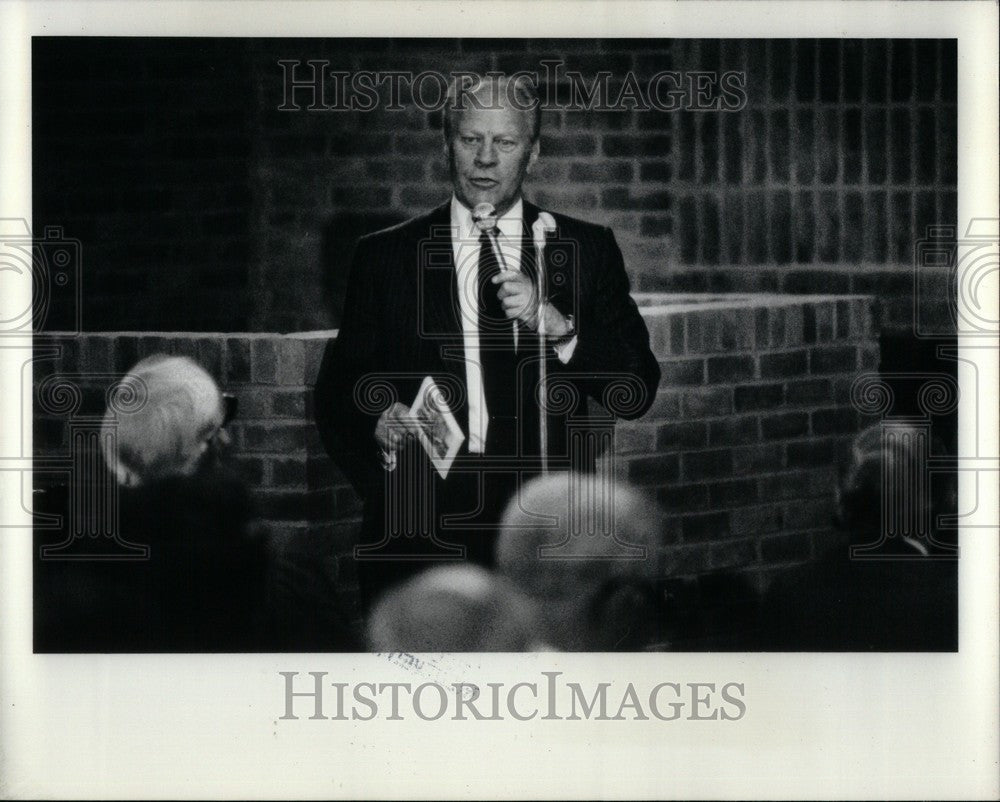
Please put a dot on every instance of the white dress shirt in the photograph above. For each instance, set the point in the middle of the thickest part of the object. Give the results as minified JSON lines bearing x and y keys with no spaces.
{"x":465,"y":244}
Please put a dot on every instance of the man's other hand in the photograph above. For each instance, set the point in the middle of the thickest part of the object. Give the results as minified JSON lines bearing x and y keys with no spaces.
{"x":394,"y":427}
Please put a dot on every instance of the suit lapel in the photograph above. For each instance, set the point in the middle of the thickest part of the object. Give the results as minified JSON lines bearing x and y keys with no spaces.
{"x":438,"y":286}
{"x":439,"y":334}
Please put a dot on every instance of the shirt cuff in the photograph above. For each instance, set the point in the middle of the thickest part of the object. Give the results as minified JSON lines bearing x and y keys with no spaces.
{"x":565,"y":350}
{"x":388,"y":460}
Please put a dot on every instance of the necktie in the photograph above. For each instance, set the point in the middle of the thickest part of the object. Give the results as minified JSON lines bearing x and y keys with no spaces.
{"x":496,"y":356}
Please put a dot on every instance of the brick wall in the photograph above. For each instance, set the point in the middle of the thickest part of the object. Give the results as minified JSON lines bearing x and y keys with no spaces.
{"x":173,"y":164}
{"x":750,"y":424}
{"x":751,"y":417}
{"x":843,"y":156}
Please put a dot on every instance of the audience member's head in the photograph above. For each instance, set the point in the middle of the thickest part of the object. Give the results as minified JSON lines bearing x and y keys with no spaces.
{"x":461,"y":608}
{"x":881,"y":594}
{"x":588,"y":554}
{"x":888,"y":464}
{"x":178,"y":428}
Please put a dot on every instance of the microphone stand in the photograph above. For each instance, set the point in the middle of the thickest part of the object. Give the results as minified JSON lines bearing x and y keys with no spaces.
{"x":538,"y":231}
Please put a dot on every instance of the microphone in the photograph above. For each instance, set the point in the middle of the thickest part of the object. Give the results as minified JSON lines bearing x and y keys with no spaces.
{"x":544,"y":224}
{"x":538,"y":234}
{"x":484,"y":215}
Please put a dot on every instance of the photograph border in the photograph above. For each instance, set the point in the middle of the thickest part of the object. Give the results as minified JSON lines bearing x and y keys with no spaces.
{"x":814,"y":725}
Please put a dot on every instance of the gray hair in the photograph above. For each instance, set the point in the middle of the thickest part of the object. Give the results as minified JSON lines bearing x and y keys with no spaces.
{"x":595,"y":590}
{"x":537,"y":549}
{"x":861,"y":488}
{"x":163,"y":436}
{"x":455,"y":608}
{"x":517,"y":91}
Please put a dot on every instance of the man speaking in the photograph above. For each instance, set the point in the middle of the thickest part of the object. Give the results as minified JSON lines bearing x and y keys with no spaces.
{"x":512,"y":317}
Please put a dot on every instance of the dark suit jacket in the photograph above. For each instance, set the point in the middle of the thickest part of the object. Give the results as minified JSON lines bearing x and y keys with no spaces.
{"x":401,"y":323}
{"x":200,"y":590}
{"x":842,"y":605}
{"x":210,"y":582}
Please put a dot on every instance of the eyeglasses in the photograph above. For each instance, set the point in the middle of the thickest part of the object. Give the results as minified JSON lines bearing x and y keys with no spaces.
{"x":230,"y":407}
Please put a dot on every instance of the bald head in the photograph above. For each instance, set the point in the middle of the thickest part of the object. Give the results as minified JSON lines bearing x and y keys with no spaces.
{"x":588,"y":553}
{"x":563,"y":532}
{"x":460,"y":608}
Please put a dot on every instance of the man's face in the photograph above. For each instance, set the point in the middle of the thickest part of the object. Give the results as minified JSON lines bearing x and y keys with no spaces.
{"x":489,"y":153}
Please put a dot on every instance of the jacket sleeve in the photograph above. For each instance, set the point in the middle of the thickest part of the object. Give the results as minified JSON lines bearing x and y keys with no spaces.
{"x":345,"y":401}
{"x":612,"y":346}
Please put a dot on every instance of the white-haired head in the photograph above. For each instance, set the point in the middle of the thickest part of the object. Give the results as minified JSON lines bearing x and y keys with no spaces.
{"x":874,"y":477}
{"x":588,"y":552}
{"x":170,"y":432}
{"x":458,"y":608}
{"x":516,"y":91}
